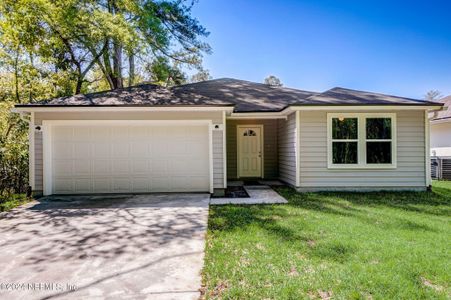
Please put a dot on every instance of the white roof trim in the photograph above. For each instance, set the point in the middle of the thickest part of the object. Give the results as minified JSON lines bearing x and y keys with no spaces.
{"x":118,"y":108}
{"x":233,"y":115}
{"x":439,"y":121}
{"x":375,"y":107}
{"x":257,"y":115}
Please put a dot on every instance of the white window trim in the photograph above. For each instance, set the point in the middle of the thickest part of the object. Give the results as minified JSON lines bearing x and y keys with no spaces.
{"x":361,"y":141}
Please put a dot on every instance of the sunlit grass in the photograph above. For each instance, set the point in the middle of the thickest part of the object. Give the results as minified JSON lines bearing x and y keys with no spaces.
{"x":344,"y":245}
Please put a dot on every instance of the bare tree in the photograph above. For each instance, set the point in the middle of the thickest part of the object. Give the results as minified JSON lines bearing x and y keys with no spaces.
{"x":273,"y":81}
{"x":433,"y":95}
{"x":202,"y":75}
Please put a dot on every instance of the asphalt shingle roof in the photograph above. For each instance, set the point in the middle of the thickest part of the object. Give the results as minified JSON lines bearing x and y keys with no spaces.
{"x":245,"y":96}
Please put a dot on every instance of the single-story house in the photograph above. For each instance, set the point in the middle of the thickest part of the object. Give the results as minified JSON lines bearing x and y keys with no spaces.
{"x":197,"y":137}
{"x":441,"y":130}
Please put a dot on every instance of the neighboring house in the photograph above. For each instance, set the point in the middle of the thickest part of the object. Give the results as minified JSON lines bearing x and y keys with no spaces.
{"x":196,"y":137}
{"x":441,"y":130}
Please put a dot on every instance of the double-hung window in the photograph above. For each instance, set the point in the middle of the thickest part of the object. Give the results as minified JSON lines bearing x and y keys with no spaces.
{"x":361,"y":140}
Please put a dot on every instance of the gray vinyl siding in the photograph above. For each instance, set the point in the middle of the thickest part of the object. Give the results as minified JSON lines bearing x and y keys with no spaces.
{"x":270,"y":155}
{"x":409,"y":173}
{"x":217,"y":136}
{"x":287,"y":149}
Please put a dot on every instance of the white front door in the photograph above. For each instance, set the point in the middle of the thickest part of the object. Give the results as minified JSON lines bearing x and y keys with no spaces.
{"x":249,"y":151}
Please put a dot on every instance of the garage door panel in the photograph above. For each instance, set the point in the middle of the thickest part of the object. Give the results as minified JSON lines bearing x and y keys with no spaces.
{"x":82,"y":150}
{"x":81,"y":134}
{"x":120,"y":133}
{"x":82,"y":185}
{"x":199,"y":181}
{"x":100,"y":134}
{"x":121,"y":185}
{"x":159,"y":167}
{"x":82,"y":167}
{"x":63,"y":150}
{"x":63,"y":133}
{"x":120,"y":167}
{"x":102,"y":185}
{"x":101,"y":167}
{"x":64,"y":186}
{"x":101,"y":150}
{"x":123,"y":159}
{"x":120,"y":149}
{"x":140,"y":133}
{"x":141,"y":184}
{"x":63,"y":168}
{"x":140,"y":167}
{"x":140,"y":149}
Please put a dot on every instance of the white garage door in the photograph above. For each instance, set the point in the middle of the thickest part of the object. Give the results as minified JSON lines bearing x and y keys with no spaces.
{"x":129,"y":158}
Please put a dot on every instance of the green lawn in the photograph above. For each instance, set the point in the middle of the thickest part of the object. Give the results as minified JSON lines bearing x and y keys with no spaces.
{"x":12,"y":201}
{"x":343,"y":245}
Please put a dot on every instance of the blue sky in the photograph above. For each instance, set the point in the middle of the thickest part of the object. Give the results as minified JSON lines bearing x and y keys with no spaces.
{"x":395,"y":47}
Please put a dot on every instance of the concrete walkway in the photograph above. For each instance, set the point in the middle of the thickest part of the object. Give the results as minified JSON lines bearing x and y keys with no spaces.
{"x":115,"y":247}
{"x":258,"y":194}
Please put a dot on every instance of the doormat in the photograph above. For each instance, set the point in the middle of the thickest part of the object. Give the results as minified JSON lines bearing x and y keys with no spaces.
{"x":234,"y":192}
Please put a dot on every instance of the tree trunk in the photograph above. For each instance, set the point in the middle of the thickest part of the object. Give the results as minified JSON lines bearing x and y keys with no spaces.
{"x":131,"y":69}
{"x":30,"y":96}
{"x":16,"y":76}
{"x":79,"y":85}
{"x":106,"y":68}
{"x":117,"y":65}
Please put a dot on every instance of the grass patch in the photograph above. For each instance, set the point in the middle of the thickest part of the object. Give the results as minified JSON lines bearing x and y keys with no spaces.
{"x":383,"y":245}
{"x":13,"y":201}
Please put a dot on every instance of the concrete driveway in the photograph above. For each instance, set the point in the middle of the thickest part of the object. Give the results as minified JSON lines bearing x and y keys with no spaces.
{"x":126,"y":247}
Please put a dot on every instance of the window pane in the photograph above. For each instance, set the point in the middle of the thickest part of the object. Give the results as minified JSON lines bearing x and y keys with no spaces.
{"x":378,"y":128}
{"x":378,"y":153}
{"x":344,"y":128}
{"x":344,"y":152}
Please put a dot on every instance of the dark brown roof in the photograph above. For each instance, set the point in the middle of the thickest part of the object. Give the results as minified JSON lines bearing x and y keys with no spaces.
{"x":342,"y":96}
{"x":445,"y":114}
{"x":245,"y":96}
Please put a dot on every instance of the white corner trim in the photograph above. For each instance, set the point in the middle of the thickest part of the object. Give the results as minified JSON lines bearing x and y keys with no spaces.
{"x":31,"y":152}
{"x":210,"y":154}
{"x":361,"y":141}
{"x":427,"y":149}
{"x":224,"y":147}
{"x":298,"y":148}
{"x":47,"y":147}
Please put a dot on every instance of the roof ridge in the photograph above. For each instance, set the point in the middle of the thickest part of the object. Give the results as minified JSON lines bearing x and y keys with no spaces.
{"x":247,"y":81}
{"x":382,"y":94}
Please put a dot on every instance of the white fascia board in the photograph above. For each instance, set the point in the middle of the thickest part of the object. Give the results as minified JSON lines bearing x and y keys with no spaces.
{"x":253,"y":116}
{"x":121,"y":109}
{"x":364,"y":107}
{"x":448,"y":120}
{"x":284,"y":113}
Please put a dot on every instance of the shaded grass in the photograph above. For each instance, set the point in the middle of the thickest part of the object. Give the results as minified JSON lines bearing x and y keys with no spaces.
{"x":12,"y":201}
{"x":346,"y":245}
